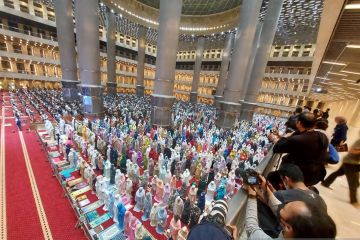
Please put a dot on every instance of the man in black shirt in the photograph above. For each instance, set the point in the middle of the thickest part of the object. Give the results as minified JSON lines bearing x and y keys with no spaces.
{"x":305,"y":148}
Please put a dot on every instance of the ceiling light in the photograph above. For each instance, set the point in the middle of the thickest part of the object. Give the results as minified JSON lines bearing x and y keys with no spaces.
{"x":324,"y":78}
{"x":334,"y":63}
{"x":353,"y":6}
{"x":334,"y":73}
{"x":347,"y":80}
{"x":353,"y":46}
{"x":350,"y":72}
{"x":354,"y":89}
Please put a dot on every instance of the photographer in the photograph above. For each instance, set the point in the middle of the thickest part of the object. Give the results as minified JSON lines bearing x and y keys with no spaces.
{"x":212,"y":227}
{"x":298,"y":218}
{"x":306,"y":148}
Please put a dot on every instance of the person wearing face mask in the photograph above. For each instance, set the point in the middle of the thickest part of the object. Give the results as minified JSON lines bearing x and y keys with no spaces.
{"x":298,"y":218}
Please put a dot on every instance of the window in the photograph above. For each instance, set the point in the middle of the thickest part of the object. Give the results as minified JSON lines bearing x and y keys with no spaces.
{"x":20,"y":67}
{"x":285,"y":54}
{"x":297,"y":47}
{"x":276,"y":54}
{"x":277,"y":47}
{"x":27,"y":29}
{"x":37,"y":5}
{"x":295,"y":54}
{"x":3,"y":46}
{"x":29,"y":50}
{"x":24,"y":8}
{"x":5,"y":65}
{"x":51,"y":17}
{"x":287,"y":47}
{"x":17,"y":48}
{"x":306,"y":53}
{"x":38,"y":13}
{"x":308,"y":46}
{"x":9,"y":3}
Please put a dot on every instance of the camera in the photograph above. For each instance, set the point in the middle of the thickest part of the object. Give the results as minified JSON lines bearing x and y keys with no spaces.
{"x":249,"y":176}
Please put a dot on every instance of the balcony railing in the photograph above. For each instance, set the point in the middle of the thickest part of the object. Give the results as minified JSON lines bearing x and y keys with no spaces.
{"x":27,"y":32}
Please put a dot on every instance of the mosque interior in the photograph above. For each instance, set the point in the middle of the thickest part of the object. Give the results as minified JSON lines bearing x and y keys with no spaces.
{"x":126,"y":80}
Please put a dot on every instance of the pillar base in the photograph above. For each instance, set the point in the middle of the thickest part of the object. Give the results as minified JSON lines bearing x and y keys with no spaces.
{"x":247,"y":111}
{"x":111,"y":88}
{"x":193,"y":97}
{"x":70,"y":90}
{"x":161,"y":110}
{"x":140,"y":90}
{"x":92,"y":99}
{"x":228,"y":114}
{"x":217,"y":100}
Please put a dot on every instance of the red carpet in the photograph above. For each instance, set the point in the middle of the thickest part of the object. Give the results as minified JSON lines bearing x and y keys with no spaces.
{"x":21,"y":214}
{"x":60,"y":215}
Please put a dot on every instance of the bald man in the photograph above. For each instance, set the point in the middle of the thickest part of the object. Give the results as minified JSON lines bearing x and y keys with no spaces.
{"x":298,"y":219}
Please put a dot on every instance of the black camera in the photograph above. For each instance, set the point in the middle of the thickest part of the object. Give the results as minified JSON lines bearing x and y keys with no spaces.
{"x":249,"y":176}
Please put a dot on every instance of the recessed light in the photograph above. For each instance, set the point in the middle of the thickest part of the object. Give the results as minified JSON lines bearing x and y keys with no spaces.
{"x":350,"y":72}
{"x":353,"y":46}
{"x":340,"y":74}
{"x":353,"y":6}
{"x":334,"y":63}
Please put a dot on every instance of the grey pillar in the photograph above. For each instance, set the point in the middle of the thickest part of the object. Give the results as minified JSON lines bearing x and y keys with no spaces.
{"x":251,"y":61}
{"x":87,"y":34}
{"x":141,"y":61}
{"x":66,"y":41}
{"x":167,"y":44}
{"x":262,"y":54}
{"x":197,"y":69}
{"x":224,"y":69}
{"x":111,"y":50}
{"x":230,"y":106}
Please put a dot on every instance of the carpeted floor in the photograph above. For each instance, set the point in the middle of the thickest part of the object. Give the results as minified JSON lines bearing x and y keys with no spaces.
{"x":21,"y":212}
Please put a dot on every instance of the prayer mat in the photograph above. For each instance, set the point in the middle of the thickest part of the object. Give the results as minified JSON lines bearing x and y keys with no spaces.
{"x":75,"y":181}
{"x":100,"y":220}
{"x":92,"y":206}
{"x":91,"y":216}
{"x":112,"y":232}
{"x":79,"y":192}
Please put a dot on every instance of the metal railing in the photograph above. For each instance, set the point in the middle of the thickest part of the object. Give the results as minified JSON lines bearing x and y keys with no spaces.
{"x":237,"y":206}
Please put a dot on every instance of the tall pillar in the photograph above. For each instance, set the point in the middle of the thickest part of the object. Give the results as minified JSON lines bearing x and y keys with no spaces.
{"x":230,"y":106}
{"x":262,"y":54}
{"x":224,"y":68}
{"x":87,"y":34}
{"x":197,"y":69}
{"x":66,"y":41}
{"x":141,"y":61}
{"x":111,"y":50}
{"x":255,"y":46}
{"x":167,"y":44}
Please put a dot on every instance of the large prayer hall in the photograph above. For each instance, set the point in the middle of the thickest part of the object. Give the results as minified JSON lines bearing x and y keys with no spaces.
{"x":179,"y":119}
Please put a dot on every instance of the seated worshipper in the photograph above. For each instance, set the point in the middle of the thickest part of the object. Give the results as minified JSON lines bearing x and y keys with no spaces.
{"x":298,"y":219}
{"x":212,"y":227}
{"x":306,"y":148}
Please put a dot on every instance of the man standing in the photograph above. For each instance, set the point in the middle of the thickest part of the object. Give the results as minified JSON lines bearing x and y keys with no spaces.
{"x":305,"y":148}
{"x":351,"y":168}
